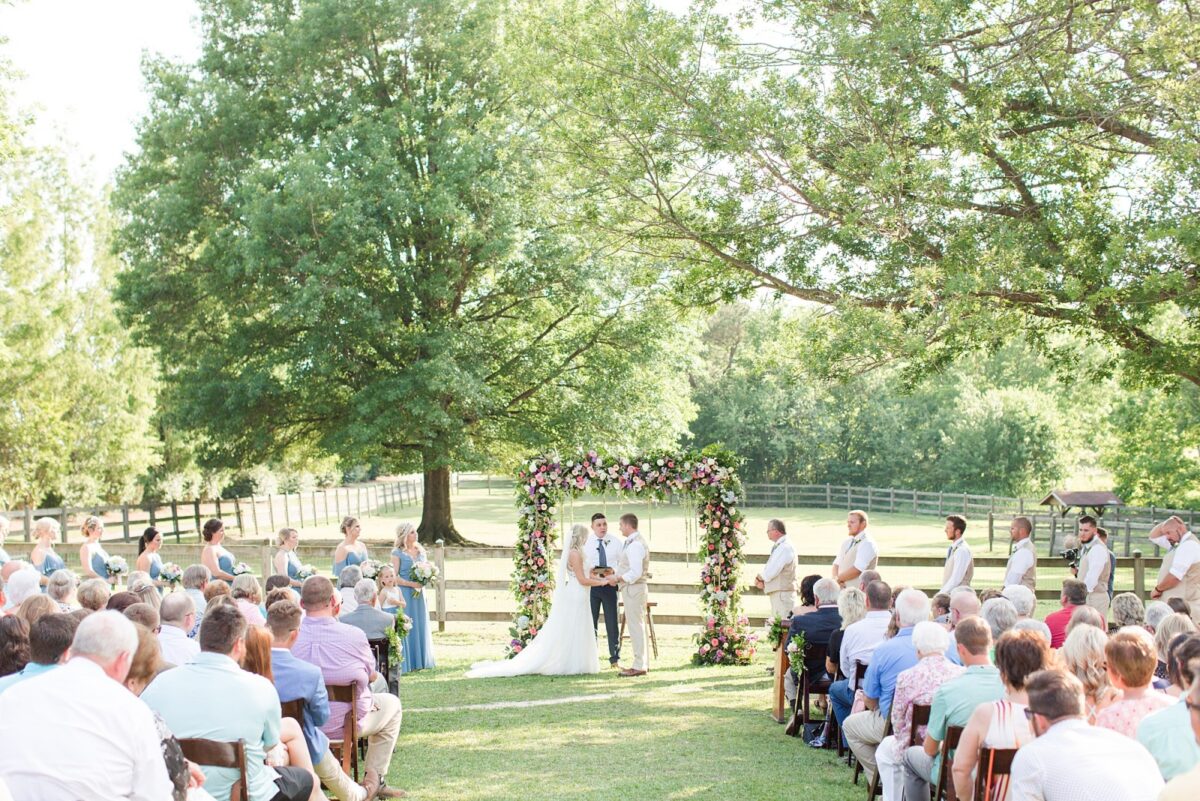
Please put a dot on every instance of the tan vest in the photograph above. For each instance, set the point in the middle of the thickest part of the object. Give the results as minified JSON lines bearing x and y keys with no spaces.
{"x":1029,"y":579}
{"x":1188,"y":587}
{"x":1102,"y":582}
{"x":623,"y":563}
{"x":949,"y":568}
{"x":846,"y":561}
{"x":785,"y":581}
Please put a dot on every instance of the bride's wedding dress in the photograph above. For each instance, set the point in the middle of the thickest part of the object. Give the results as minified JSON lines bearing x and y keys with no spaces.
{"x":566,"y":643}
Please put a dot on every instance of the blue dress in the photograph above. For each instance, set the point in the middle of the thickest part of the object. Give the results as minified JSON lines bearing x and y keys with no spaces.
{"x":156,"y":564}
{"x":225,"y":562}
{"x":418,"y":645}
{"x":4,"y":557}
{"x":293,"y":565}
{"x":354,"y":557}
{"x":51,"y":562}
{"x":99,"y":559}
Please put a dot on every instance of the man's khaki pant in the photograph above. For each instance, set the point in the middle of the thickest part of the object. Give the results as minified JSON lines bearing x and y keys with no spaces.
{"x":634,"y":596}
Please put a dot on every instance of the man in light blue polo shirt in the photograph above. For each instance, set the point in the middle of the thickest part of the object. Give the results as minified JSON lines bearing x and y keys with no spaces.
{"x":1167,"y":734}
{"x":211,"y":697}
{"x":49,"y":646}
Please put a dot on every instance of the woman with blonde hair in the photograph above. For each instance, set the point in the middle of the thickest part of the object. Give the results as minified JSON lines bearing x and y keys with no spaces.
{"x":286,"y":561}
{"x":349,"y":551}
{"x":852,"y":607}
{"x":418,"y":644}
{"x":62,"y":588}
{"x":43,"y":556}
{"x":248,"y":595}
{"x":92,"y":556}
{"x":1083,"y":655}
{"x":143,"y":588}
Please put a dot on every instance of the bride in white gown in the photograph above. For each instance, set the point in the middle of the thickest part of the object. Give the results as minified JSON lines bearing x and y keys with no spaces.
{"x":566,"y":643}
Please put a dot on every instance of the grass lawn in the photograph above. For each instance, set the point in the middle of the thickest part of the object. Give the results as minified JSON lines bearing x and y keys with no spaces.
{"x":682,"y":732}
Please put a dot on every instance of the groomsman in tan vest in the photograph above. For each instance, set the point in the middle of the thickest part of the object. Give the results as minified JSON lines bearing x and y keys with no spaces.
{"x":1094,"y":565}
{"x":1022,"y":562}
{"x":857,"y":553}
{"x":1179,"y":576}
{"x":778,"y":579}
{"x":633,"y":571}
{"x":960,"y":564}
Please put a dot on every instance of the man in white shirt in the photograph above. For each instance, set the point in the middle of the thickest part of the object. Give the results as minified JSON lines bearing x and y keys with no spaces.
{"x":601,"y":552}
{"x":632,"y":576}
{"x":1179,"y":576}
{"x":1022,"y":562}
{"x":1071,"y":761}
{"x":858,"y":643}
{"x":178,"y":614}
{"x":76,"y":732}
{"x":778,"y":579}
{"x":960,"y":564}
{"x":1094,"y":565}
{"x":857,"y":552}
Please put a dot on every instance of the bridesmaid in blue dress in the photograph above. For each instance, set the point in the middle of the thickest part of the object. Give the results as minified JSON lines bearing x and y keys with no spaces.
{"x":418,"y":645}
{"x":349,"y":551}
{"x":215,"y":556}
{"x":287,"y":561}
{"x":43,"y":556}
{"x":149,"y":559}
{"x":93,"y":559}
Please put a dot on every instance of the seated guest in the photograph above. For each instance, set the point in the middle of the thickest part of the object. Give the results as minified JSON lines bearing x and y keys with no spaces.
{"x":868,"y":576}
{"x":178,"y":616}
{"x":342,"y":654}
{"x":83,"y":710}
{"x":61,"y":587}
{"x":1128,"y":610}
{"x":120,"y":601}
{"x":914,"y":686}
{"x":1087,"y":616}
{"x":146,"y":591}
{"x":277,"y":582}
{"x":1156,"y":612}
{"x":808,"y":601}
{"x":347,"y":580}
{"x":280,"y":594}
{"x":1186,"y":786}
{"x":49,"y":646}
{"x":292,"y":748}
{"x":296,"y":679}
{"x":852,"y":607}
{"x":1179,"y":606}
{"x":964,"y":603}
{"x":1131,"y":658}
{"x":24,"y":583}
{"x":34,"y":607}
{"x":145,"y":615}
{"x":1002,"y":723}
{"x":374,"y":623}
{"x":1000,"y":615}
{"x":1168,"y":629}
{"x":214,"y":590}
{"x":1082,"y":655}
{"x":953,"y":704}
{"x":988,"y":593}
{"x":1074,"y":595}
{"x":93,"y":594}
{"x":246,"y":591}
{"x":1036,"y":626}
{"x":940,"y":608}
{"x":1165,"y":733}
{"x":858,"y":643}
{"x":14,"y":645}
{"x":1068,"y":759}
{"x":864,"y":731}
{"x":816,"y":626}
{"x":196,"y":699}
{"x":195,"y":579}
{"x":1022,"y":599}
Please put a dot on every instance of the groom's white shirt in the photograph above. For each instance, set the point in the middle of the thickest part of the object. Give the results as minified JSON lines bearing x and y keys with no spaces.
{"x":591,"y":552}
{"x":635,"y":550}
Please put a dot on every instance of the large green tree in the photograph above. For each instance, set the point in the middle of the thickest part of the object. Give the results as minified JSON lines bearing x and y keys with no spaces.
{"x":939,"y":174}
{"x":339,"y":236}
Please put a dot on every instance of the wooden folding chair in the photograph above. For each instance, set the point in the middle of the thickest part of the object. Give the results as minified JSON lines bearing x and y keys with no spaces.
{"x":382,"y":649}
{"x":801,"y":711}
{"x":293,"y":709}
{"x":945,"y":787}
{"x":220,"y":754}
{"x":994,"y":765}
{"x":344,"y":749}
{"x":919,"y":717}
{"x":860,"y":673}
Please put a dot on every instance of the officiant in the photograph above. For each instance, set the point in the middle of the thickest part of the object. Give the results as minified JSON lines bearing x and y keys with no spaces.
{"x":600,"y":555}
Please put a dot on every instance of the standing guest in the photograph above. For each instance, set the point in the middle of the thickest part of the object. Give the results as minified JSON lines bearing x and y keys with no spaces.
{"x":195,"y":701}
{"x":215,"y":556}
{"x":349,"y":551}
{"x":178,"y":613}
{"x":778,"y":577}
{"x":93,"y":559}
{"x":195,"y":581}
{"x":914,"y":686}
{"x":93,"y":594}
{"x":1131,"y":659}
{"x":286,"y":560}
{"x":1128,"y":610}
{"x":1022,"y":598}
{"x":61,"y":589}
{"x":44,"y":558}
{"x":4,"y":527}
{"x":1166,"y":734}
{"x":1068,"y":759}
{"x":857,"y":553}
{"x":418,"y":643}
{"x":858,"y":644}
{"x":1179,"y":575}
{"x":1082,"y":655}
{"x":1074,"y":595}
{"x":149,"y":557}
{"x":807,"y":601}
{"x":296,"y":679}
{"x":1000,"y":615}
{"x":865,"y":730}
{"x":347,"y":580}
{"x":953,"y":704}
{"x":14,"y":645}
{"x":342,"y":654}
{"x":1186,"y":787}
{"x":1002,"y":723}
{"x":392,"y":601}
{"x":1168,"y":629}
{"x":83,"y":710}
{"x":1022,"y":562}
{"x":817,"y":627}
{"x":1094,"y":565}
{"x":248,"y":595}
{"x":49,"y":646}
{"x":960,"y":564}
{"x":371,"y":621}
{"x":1102,"y":533}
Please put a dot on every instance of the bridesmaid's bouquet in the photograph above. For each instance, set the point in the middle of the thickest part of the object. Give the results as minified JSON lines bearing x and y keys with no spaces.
{"x":171,"y":573}
{"x":305,"y":572}
{"x":241,"y":568}
{"x":424,"y":574}
{"x":370,"y":568}
{"x":116,"y":565}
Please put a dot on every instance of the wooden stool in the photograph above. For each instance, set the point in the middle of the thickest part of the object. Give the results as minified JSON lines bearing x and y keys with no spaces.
{"x":649,"y":624}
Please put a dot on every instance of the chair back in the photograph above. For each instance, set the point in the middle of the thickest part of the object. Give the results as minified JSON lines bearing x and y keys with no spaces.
{"x":995,"y":765}
{"x":293,"y":709}
{"x":220,"y":754}
{"x":348,"y":694}
{"x":945,"y":787}
{"x":382,"y":649}
{"x":860,"y":673}
{"x":920,"y":717}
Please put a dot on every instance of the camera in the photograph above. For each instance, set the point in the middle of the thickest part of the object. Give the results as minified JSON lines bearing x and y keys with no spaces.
{"x":1071,"y":555}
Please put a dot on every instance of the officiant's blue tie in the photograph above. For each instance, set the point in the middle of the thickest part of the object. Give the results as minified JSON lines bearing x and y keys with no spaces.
{"x":603,"y":555}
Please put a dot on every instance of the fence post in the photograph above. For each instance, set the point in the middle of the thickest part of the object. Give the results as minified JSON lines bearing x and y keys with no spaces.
{"x":1128,"y":535}
{"x":264,"y":551}
{"x":29,"y":525}
{"x":314,"y":505}
{"x":300,"y":507}
{"x":785,"y":496}
{"x":869,"y":497}
{"x":828,"y":497}
{"x":1053,"y":535}
{"x":991,"y":529}
{"x":287,"y":513}
{"x":439,"y":559}
{"x":271,"y":511}
{"x":175,"y":522}
{"x":964,"y":504}
{"x":325,"y":498}
{"x":1033,"y":530}
{"x":62,"y":518}
{"x":892,"y":500}
{"x":196,"y":511}
{"x":254,"y":513}
{"x":1139,"y":574}
{"x":218,"y":500}
{"x":124,"y":521}
{"x":237,"y":512}
{"x":1021,"y":506}
{"x":941,"y":501}
{"x":849,"y":502}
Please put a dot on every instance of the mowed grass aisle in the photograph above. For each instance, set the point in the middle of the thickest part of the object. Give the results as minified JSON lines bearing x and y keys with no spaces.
{"x":682,"y":732}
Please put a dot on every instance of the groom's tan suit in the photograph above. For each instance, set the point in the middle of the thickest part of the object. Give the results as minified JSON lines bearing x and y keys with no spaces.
{"x":633,"y":570}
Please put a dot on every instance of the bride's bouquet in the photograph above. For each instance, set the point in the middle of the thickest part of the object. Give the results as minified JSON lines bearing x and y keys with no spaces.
{"x":305,"y":571}
{"x":171,"y":573}
{"x":370,"y":568}
{"x":116,"y":565}
{"x":424,"y":574}
{"x":241,"y":568}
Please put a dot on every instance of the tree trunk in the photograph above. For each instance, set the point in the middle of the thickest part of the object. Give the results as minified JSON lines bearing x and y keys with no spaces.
{"x":436,"y":522}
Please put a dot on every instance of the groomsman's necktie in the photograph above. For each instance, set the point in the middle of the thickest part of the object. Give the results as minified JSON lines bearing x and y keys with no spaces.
{"x":603,"y":555}
{"x":949,"y":551}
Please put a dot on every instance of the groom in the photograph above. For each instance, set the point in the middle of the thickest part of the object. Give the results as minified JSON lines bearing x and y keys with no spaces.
{"x":601,"y":553}
{"x":632,"y":574}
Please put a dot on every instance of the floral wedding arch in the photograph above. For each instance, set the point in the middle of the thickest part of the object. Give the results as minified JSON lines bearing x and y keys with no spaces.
{"x":707,"y":479}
